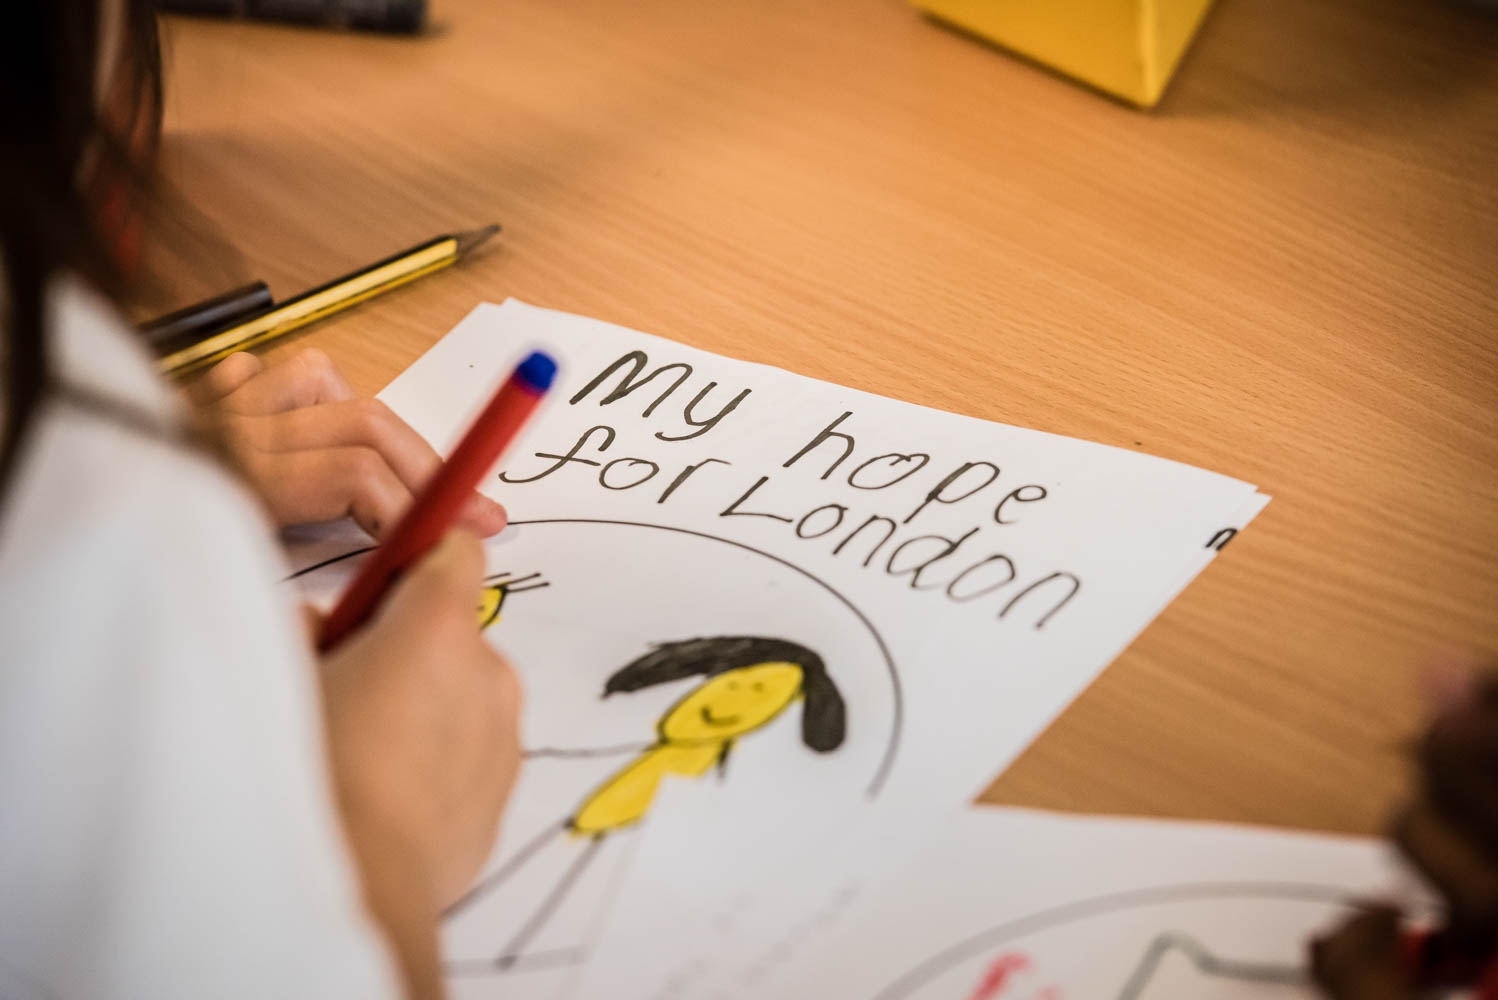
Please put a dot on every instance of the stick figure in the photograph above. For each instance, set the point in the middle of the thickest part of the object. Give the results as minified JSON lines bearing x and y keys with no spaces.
{"x":750,"y":681}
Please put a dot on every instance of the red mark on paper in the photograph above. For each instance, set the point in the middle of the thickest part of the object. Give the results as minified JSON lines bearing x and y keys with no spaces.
{"x":997,"y":976}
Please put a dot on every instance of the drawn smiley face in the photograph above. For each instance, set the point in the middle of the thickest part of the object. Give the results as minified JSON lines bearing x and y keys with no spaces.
{"x":733,"y":703}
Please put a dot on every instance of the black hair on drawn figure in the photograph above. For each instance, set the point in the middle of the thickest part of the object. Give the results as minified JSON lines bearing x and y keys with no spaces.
{"x":823,"y":716}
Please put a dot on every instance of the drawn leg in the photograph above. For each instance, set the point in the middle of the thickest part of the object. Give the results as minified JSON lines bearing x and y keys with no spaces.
{"x":514,"y":950}
{"x":496,"y":878}
{"x":1207,"y":963}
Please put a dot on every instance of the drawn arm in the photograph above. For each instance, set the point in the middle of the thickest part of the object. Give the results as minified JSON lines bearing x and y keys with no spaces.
{"x":586,"y":753}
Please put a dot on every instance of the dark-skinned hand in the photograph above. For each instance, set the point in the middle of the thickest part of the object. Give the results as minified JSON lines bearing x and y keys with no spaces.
{"x":1449,"y":832}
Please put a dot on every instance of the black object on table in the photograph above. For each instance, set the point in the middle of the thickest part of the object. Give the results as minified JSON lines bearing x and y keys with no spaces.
{"x":185,"y":327}
{"x":372,"y":15}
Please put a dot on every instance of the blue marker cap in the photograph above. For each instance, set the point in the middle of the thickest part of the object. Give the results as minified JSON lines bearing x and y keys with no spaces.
{"x":537,"y":372}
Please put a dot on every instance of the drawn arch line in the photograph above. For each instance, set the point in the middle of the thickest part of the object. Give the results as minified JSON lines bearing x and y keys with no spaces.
{"x":1300,"y":892}
{"x":897,"y":723}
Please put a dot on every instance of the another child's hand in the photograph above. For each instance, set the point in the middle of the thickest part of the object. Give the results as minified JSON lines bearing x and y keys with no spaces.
{"x":1450,"y":833}
{"x":313,"y":452}
{"x":423,"y":732}
{"x":1360,"y":960}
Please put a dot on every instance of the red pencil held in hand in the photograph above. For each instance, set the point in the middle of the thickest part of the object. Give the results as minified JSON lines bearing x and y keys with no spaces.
{"x":433,"y":513}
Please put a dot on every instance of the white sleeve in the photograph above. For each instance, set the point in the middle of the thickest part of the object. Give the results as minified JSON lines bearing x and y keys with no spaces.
{"x":167,"y":827}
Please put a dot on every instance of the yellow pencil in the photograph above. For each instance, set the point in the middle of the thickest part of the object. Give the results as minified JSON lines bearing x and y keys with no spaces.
{"x":325,"y":300}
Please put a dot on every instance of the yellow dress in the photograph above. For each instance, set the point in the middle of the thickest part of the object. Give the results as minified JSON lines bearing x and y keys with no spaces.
{"x":625,"y":797}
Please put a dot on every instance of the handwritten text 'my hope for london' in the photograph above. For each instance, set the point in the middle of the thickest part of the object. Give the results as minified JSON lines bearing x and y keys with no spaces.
{"x":953,"y":566}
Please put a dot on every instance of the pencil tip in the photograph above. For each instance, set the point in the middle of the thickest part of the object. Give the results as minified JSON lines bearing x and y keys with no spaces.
{"x":472,"y":239}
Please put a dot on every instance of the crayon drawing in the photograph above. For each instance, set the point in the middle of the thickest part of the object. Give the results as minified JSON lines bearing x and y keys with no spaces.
{"x":750,"y":682}
{"x":500,"y":586}
{"x":650,"y":654}
{"x":1209,"y":941}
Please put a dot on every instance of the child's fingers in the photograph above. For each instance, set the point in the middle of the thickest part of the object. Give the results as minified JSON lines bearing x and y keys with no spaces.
{"x":364,"y":423}
{"x":483,"y":516}
{"x":1464,"y":873}
{"x":443,"y":586}
{"x":224,"y":377}
{"x":1359,"y":960}
{"x":304,"y":487}
{"x":307,"y":379}
{"x":1459,"y":767}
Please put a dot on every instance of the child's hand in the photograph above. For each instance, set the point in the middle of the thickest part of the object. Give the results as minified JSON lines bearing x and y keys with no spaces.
{"x":422,"y":724}
{"x":1361,"y":959}
{"x":315,"y":453}
{"x":1450,"y":833}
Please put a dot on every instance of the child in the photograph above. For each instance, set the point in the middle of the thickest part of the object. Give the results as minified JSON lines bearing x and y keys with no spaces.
{"x":190,"y":804}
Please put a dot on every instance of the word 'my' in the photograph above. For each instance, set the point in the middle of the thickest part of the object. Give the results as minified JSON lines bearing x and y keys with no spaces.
{"x":632,"y":382}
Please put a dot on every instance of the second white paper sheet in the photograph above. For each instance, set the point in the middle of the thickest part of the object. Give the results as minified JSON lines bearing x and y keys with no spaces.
{"x":722,"y":574}
{"x":1009,"y":904}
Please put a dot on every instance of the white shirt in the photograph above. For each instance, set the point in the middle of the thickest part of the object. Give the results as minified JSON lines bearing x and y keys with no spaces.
{"x":167,"y":827}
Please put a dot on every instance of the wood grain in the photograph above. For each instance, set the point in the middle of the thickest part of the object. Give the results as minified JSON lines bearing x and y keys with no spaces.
{"x":1288,"y":273}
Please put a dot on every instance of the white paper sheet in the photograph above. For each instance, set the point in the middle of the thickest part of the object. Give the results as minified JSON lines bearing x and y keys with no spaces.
{"x":1009,"y":904}
{"x":958,"y":581}
{"x":731,"y":944}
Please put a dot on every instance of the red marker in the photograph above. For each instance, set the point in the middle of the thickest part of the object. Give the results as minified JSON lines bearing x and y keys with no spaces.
{"x":434,"y":512}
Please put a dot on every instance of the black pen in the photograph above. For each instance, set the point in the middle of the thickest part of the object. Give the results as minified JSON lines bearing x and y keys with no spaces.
{"x":397,"y":16}
{"x":186,"y":327}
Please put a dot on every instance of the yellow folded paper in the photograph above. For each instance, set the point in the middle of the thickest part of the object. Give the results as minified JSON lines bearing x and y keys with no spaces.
{"x":1128,"y":48}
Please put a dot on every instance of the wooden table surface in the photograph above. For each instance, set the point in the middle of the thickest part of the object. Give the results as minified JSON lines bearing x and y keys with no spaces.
{"x":1287,"y":273}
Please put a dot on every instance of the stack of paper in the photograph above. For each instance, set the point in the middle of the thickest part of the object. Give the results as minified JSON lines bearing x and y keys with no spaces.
{"x":840,"y":612}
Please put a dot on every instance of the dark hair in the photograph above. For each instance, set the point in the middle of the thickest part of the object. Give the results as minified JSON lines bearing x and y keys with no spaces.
{"x":823,"y":717}
{"x":73,"y":188}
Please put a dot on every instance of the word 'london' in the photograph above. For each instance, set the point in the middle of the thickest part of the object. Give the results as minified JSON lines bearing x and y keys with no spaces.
{"x":919,"y":558}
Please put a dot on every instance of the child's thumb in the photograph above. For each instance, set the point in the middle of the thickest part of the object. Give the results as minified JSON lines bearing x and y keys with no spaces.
{"x":446,"y":579}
